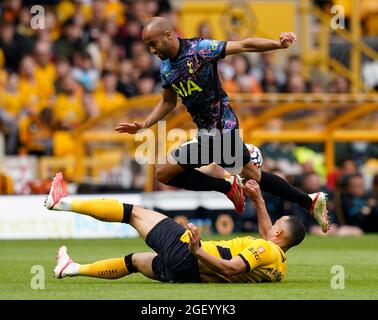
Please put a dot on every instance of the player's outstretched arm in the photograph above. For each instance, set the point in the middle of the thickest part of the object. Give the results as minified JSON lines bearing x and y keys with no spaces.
{"x":165,"y":106}
{"x":252,"y":190}
{"x":260,"y":44}
{"x":224,"y":267}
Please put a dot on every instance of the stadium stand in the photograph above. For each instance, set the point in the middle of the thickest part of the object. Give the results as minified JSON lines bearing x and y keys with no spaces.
{"x":65,"y":87}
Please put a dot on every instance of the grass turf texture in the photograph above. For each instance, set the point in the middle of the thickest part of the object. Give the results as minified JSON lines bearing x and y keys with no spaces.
{"x":308,"y":272}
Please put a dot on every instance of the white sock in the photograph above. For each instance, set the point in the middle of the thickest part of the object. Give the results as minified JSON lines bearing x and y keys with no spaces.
{"x":64,"y":204}
{"x":72,"y":270}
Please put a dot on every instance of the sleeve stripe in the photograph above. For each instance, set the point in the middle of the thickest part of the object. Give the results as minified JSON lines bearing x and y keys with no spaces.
{"x":223,"y":53}
{"x":246,"y":262}
{"x":224,"y":252}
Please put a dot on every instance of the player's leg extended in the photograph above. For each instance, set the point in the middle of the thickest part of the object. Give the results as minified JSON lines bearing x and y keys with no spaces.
{"x":315,"y":203}
{"x":108,"y":210}
{"x":168,"y":169}
{"x":176,"y":175}
{"x":114,"y":268}
{"x":187,"y":177}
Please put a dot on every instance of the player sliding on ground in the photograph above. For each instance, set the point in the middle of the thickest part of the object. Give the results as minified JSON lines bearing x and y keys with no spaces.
{"x":189,"y":71}
{"x":180,"y":255}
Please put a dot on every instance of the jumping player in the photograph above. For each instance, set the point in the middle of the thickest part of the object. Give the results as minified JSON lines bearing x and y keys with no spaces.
{"x":189,"y":71}
{"x":180,"y":255}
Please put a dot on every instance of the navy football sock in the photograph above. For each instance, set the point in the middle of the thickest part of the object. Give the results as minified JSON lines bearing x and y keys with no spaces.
{"x":279,"y":187}
{"x":198,"y":181}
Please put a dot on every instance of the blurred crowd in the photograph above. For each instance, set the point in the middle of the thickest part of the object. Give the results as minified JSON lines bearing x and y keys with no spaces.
{"x":89,"y":59}
{"x":368,"y":13}
{"x":352,"y":198}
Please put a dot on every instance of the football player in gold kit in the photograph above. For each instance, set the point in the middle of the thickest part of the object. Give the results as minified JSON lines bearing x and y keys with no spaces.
{"x":180,"y":255}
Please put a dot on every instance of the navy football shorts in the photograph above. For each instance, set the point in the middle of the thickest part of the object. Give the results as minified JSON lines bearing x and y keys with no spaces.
{"x":174,"y":262}
{"x":225,"y":149}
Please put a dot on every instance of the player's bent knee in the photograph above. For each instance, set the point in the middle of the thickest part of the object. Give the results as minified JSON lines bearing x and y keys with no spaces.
{"x":161,"y":174}
{"x":142,"y":262}
{"x":251,"y":172}
{"x":138,"y":209}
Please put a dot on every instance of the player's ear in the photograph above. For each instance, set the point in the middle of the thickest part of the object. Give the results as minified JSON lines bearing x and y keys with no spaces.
{"x":168,"y":34}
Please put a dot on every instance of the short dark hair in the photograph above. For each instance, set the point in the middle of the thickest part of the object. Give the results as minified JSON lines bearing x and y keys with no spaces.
{"x":68,"y":23}
{"x":296,"y":230}
{"x":350,"y":177}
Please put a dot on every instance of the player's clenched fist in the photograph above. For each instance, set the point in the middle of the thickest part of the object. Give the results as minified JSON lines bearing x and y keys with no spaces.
{"x":252,"y":190}
{"x":194,"y":236}
{"x":131,"y":128}
{"x":287,"y":39}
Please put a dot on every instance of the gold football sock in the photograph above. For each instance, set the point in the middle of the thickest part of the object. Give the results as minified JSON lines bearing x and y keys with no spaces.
{"x":105,"y":269}
{"x":107,"y":210}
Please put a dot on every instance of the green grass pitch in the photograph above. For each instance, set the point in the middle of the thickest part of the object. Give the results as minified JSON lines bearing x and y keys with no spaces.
{"x":308,"y":272}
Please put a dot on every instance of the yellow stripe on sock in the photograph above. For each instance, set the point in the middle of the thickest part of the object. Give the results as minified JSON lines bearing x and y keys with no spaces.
{"x":107,"y":210}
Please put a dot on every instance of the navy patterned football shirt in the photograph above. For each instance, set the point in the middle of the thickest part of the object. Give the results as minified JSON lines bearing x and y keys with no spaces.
{"x":193,"y":74}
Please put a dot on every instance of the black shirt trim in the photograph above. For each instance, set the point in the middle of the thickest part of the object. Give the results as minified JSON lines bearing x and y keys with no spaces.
{"x":246,"y":262}
{"x":181,"y":41}
{"x":223,"y":53}
{"x":225,"y":253}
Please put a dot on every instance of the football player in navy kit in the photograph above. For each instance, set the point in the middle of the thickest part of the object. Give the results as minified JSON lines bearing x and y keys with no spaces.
{"x":189,"y":71}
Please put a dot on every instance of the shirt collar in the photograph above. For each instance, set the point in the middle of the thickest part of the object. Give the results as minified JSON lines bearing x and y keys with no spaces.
{"x":181,"y":43}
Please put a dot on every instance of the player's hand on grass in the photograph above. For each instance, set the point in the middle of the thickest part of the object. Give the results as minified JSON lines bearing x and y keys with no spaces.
{"x":287,"y":39}
{"x":131,"y":128}
{"x":194,"y":236}
{"x":252,"y":190}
